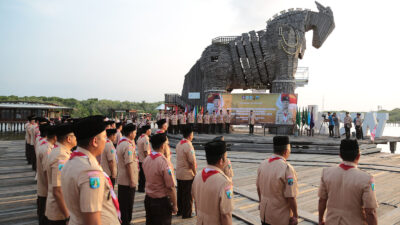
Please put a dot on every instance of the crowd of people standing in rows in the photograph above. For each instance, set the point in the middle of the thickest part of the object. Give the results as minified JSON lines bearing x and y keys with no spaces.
{"x":80,"y":160}
{"x":334,"y":125}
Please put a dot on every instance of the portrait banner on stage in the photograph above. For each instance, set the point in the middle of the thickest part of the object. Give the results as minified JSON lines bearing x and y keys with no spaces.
{"x":268,"y":108}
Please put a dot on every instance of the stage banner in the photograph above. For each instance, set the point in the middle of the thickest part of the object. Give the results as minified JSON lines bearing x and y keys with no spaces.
{"x":268,"y":108}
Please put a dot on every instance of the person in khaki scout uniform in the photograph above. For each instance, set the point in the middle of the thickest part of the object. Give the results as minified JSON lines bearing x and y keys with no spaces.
{"x":252,"y":121}
{"x":31,"y":142}
{"x":220,"y":121}
{"x":277,"y":186}
{"x":87,"y":189}
{"x":108,"y":160}
{"x":227,"y":120}
{"x":347,"y":124}
{"x":212,"y":190}
{"x":43,"y":150}
{"x":160,"y":201}
{"x":128,"y":167}
{"x":227,"y":168}
{"x":174,"y":122}
{"x":200,"y":122}
{"x":213,"y":121}
{"x":27,"y":138}
{"x":358,"y":125}
{"x":206,"y":123}
{"x":191,"y":119}
{"x":346,"y":192}
{"x":143,"y":150}
{"x":185,"y":172}
{"x":118,"y":126}
{"x":56,"y":210}
{"x":182,"y":122}
{"x":162,"y":128}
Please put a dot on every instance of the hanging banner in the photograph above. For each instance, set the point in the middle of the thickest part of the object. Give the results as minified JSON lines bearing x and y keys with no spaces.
{"x":268,"y":108}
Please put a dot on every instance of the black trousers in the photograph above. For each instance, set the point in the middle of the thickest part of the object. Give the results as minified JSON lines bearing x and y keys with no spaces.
{"x":170,"y":130}
{"x":126,"y":197}
{"x":359,"y":133}
{"x":331,"y":130}
{"x":33,"y":159}
{"x":142,"y":179}
{"x":227,"y":128}
{"x":262,"y":223}
{"x":31,"y":151}
{"x":185,"y":200}
{"x":190,"y":125}
{"x":181,"y":127}
{"x":56,"y":222}
{"x":347,"y":129}
{"x":206,"y":128}
{"x":219,"y":128}
{"x":213,"y":128}
{"x":112,"y":181}
{"x":26,"y":151}
{"x":199,"y":128}
{"x":158,"y":211}
{"x":251,"y":128}
{"x":41,"y":208}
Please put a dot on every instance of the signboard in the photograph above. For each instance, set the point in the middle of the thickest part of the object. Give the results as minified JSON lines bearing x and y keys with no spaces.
{"x":268,"y":108}
{"x":194,"y":95}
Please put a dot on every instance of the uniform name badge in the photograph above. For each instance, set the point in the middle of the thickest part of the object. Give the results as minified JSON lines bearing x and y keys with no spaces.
{"x":61,"y":164}
{"x":129,"y":152}
{"x":372,"y":184}
{"x":94,"y":179}
{"x":169,"y":171}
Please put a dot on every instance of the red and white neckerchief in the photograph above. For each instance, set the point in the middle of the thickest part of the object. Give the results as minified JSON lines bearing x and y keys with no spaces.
{"x":285,"y":117}
{"x":43,"y":142}
{"x":208,"y":172}
{"x":159,"y":131}
{"x":113,"y":195}
{"x":273,"y":158}
{"x":155,"y":155}
{"x":124,"y":139}
{"x":183,"y":141}
{"x":345,"y":167}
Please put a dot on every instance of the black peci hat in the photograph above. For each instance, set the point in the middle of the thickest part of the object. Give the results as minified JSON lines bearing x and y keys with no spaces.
{"x":111,"y":132}
{"x":161,"y":122}
{"x":89,"y":127}
{"x":215,"y":147}
{"x":128,"y":128}
{"x":63,"y":129}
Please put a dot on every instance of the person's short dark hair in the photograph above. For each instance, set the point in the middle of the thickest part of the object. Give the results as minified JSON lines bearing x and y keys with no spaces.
{"x":161,"y":122}
{"x":186,"y":131}
{"x":111,"y":132}
{"x":157,"y":140}
{"x":145,"y":128}
{"x":109,"y":122}
{"x":129,"y":128}
{"x":118,"y":125}
{"x":215,"y":151}
{"x":251,"y":110}
{"x":349,"y":149}
{"x":358,"y":114}
{"x":280,"y":144}
{"x":63,"y":130}
{"x":329,"y":112}
{"x":43,"y":130}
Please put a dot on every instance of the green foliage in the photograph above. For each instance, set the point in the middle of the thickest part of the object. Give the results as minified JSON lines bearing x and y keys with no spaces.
{"x":394,"y":115}
{"x":92,"y":106}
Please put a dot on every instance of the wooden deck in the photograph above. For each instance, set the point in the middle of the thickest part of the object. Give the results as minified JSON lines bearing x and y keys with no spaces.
{"x":18,"y":187}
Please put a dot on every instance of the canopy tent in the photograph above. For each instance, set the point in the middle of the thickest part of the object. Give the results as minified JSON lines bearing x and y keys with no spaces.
{"x":162,"y":107}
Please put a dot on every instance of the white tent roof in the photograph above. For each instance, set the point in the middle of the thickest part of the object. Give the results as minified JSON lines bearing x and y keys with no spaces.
{"x":162,"y":107}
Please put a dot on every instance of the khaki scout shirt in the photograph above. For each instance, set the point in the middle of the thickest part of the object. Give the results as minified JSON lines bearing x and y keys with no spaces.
{"x":347,"y":120}
{"x":42,"y":152}
{"x":252,"y":119}
{"x":107,"y":155}
{"x":227,"y":118}
{"x":126,"y":154}
{"x":228,"y":171}
{"x":185,"y":157}
{"x":191,"y":118}
{"x":359,"y":121}
{"x":277,"y":181}
{"x":220,"y":118}
{"x":213,"y":118}
{"x":143,"y":146}
{"x":206,"y":119}
{"x":159,"y":174}
{"x":32,"y":134}
{"x":174,"y":120}
{"x":182,"y":119}
{"x":199,"y":118}
{"x":27,"y":135}
{"x":213,"y":197}
{"x":86,"y":189}
{"x":348,"y":192}
{"x":55,"y":163}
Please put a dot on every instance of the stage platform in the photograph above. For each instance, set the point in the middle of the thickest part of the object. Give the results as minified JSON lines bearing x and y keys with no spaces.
{"x":258,"y":143}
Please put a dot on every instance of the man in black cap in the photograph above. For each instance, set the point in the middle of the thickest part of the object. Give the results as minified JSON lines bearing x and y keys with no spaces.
{"x":128,"y":172}
{"x":277,"y":186}
{"x":358,"y":124}
{"x":56,"y":209}
{"x":346,"y":192}
{"x":143,"y":147}
{"x":212,"y":189}
{"x":160,"y":201}
{"x":162,"y":128}
{"x":87,"y":189}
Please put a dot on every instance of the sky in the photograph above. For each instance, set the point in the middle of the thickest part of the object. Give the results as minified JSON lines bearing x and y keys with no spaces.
{"x":138,"y":50}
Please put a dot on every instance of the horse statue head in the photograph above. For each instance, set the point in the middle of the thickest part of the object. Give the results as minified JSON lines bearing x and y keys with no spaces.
{"x":322,"y":24}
